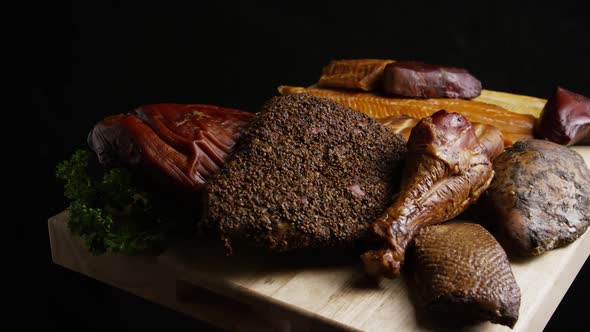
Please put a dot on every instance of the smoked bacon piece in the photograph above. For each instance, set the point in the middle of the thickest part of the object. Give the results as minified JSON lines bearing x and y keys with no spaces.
{"x":180,"y":145}
{"x":513,"y":126}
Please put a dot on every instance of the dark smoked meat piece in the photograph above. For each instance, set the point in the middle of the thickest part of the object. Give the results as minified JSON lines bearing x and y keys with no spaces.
{"x":181,"y":145}
{"x":539,"y":198}
{"x":422,"y":80}
{"x":462,"y":272}
{"x":565,"y":119}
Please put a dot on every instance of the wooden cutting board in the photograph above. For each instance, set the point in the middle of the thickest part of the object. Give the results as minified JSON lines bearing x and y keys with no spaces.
{"x":255,"y":291}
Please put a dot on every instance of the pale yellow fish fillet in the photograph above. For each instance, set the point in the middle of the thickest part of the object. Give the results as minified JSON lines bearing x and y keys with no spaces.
{"x":512,"y":102}
{"x":514,"y":126}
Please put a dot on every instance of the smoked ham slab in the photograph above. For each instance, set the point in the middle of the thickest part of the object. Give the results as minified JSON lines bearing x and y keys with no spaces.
{"x":181,"y":145}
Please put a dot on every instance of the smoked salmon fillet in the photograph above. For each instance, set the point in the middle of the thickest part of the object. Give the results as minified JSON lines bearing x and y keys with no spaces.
{"x":514,"y":126}
{"x":514,"y":103}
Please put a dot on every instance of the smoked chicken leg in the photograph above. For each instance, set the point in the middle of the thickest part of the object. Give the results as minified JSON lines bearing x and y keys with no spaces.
{"x":446,"y":170}
{"x":489,"y":136}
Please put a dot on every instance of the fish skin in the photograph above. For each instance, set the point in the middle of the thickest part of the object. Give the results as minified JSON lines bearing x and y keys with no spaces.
{"x":514,"y":126}
{"x":358,"y":74}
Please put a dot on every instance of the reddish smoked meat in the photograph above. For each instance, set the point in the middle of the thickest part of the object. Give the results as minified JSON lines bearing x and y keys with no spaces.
{"x":446,"y":170}
{"x":565,"y":119}
{"x":181,"y":145}
{"x":422,"y":80}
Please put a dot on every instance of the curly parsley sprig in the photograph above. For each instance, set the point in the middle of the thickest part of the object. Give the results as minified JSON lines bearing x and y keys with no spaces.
{"x":117,"y":211}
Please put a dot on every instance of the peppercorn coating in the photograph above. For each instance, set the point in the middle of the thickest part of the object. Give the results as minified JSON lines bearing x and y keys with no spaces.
{"x":308,"y":173}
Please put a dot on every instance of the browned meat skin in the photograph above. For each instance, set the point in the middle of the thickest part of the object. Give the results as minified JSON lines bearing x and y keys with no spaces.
{"x":565,"y":119}
{"x":359,"y":74}
{"x":539,"y":198}
{"x":460,"y":270}
{"x":422,"y":80}
{"x":446,"y":170}
{"x":182,"y":145}
{"x":489,"y":136}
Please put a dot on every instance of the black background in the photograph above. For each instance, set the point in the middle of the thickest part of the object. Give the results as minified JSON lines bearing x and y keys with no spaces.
{"x":106,"y":57}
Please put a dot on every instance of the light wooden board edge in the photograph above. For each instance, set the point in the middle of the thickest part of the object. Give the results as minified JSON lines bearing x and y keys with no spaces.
{"x":534,"y":313}
{"x":285,"y":314}
{"x":147,"y":278}
{"x":207,"y":299}
{"x":157,"y":284}
{"x":569,"y":266}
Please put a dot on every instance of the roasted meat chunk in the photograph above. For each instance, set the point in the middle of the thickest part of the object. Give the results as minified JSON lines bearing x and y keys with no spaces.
{"x":421,"y":80}
{"x":539,"y":198}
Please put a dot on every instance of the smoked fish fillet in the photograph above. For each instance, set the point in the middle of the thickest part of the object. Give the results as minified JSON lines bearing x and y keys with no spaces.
{"x":514,"y":126}
{"x":359,"y":74}
{"x":514,"y":103}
